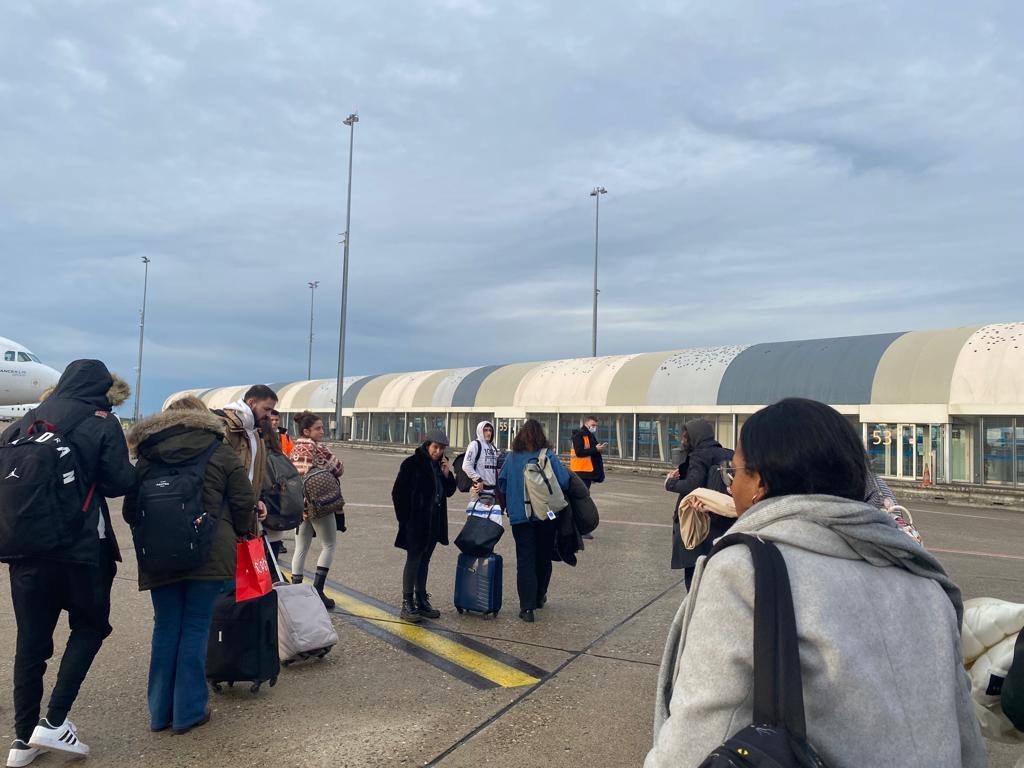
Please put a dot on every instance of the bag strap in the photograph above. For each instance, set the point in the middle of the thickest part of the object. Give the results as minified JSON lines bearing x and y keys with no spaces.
{"x":778,"y":684}
{"x":479,"y":450}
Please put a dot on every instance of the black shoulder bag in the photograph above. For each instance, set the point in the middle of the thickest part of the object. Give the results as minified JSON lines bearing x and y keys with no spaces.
{"x":778,"y":736}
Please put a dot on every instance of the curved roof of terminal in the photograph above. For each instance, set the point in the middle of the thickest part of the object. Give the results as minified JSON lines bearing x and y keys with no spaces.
{"x":973,"y":368}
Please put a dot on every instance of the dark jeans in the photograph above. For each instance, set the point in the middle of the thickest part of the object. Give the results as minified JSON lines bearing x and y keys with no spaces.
{"x":417,"y":566}
{"x":182,"y":614}
{"x":688,"y":576}
{"x":40,"y":590}
{"x":535,"y":541}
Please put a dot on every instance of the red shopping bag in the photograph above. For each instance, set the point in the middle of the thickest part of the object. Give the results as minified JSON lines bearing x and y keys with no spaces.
{"x":252,"y":574}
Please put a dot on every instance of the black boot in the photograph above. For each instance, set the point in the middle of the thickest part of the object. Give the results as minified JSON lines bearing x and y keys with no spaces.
{"x":297,"y":578}
{"x":318,"y":584}
{"x":424,"y":608}
{"x":409,"y":610}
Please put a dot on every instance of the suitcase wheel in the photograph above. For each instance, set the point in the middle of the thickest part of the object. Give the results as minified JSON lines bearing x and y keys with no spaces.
{"x":323,"y":653}
{"x":459,"y":610}
{"x":273,"y":682}
{"x":255,"y":688}
{"x":287,"y":663}
{"x":231,"y":684}
{"x":217,"y":688}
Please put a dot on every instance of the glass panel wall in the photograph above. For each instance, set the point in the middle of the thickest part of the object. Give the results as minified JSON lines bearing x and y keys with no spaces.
{"x":1019,"y":433}
{"x":421,"y":424}
{"x":882,"y":445}
{"x":388,"y":428}
{"x":462,"y":427}
{"x":998,"y":451}
{"x":961,"y":458}
{"x":907,"y":450}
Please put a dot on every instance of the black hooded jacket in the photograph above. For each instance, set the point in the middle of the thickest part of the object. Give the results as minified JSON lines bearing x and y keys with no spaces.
{"x":87,"y":391}
{"x":705,"y":454}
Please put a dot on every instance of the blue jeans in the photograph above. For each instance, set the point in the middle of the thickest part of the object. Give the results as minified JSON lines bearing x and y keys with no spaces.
{"x":177,"y":668}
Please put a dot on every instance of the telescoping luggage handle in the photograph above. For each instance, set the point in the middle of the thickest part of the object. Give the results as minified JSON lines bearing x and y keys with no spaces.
{"x":778,"y":685}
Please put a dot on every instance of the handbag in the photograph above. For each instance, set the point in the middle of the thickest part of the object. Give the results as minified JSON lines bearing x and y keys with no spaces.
{"x":694,"y":526}
{"x":777,"y":737}
{"x":483,"y":529}
{"x":252,"y":573}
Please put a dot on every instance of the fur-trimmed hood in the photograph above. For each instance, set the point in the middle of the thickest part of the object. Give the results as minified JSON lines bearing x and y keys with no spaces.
{"x":152,"y":430}
{"x":89,"y":381}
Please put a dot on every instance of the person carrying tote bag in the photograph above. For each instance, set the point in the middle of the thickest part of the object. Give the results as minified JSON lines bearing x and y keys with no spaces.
{"x":316,"y":464}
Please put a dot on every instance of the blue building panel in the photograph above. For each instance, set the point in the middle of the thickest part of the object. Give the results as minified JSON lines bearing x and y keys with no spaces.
{"x":836,"y":371}
{"x":469,"y":387}
{"x":348,"y":397}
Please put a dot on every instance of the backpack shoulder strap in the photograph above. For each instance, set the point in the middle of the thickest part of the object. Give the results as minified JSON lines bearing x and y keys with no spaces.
{"x":479,"y":453}
{"x":778,"y":684}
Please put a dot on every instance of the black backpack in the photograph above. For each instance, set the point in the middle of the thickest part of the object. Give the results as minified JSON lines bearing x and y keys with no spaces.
{"x":715,"y":481}
{"x":778,"y":736}
{"x":285,"y":499}
{"x":172,"y":530}
{"x":462,"y":480}
{"x":43,"y":498}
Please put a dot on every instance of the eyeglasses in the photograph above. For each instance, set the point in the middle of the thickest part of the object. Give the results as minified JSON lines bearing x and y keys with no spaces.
{"x":728,"y":470}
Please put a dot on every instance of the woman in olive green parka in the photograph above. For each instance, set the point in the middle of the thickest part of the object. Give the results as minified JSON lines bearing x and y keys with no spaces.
{"x":183,"y":601}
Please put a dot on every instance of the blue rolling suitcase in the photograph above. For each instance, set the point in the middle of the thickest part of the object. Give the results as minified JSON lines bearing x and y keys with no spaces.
{"x":478,"y":584}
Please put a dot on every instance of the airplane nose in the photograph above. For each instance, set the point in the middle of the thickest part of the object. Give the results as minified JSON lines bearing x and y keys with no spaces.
{"x":49,"y":376}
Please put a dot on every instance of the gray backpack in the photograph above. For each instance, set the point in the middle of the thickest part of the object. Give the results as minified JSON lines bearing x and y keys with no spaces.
{"x":543,"y":492}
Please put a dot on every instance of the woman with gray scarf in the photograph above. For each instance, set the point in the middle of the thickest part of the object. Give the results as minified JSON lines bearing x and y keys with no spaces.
{"x":877,"y":618}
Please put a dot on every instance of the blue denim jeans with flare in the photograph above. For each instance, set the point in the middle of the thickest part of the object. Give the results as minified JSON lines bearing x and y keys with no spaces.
{"x":177,"y":669}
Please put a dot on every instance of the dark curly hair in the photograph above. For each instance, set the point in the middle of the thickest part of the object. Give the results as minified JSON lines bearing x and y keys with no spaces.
{"x":530,"y":438}
{"x":306,"y":420}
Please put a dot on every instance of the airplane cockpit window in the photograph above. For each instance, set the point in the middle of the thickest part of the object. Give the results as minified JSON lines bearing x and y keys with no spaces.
{"x":24,"y":357}
{"x":34,"y":358}
{"x":9,"y":357}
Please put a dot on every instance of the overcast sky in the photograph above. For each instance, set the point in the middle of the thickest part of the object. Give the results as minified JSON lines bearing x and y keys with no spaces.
{"x":774,"y":171}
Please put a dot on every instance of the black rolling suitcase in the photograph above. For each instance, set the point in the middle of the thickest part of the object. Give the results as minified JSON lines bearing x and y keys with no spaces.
{"x":243,"y":642}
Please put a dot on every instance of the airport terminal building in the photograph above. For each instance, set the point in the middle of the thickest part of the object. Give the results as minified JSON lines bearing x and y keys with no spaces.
{"x":946,"y":404}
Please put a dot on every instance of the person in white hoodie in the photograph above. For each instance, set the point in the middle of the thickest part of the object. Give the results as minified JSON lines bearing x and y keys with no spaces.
{"x":877,"y":618}
{"x":481,"y":461}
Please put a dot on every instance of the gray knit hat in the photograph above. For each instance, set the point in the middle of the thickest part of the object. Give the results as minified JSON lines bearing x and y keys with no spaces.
{"x":438,"y":436}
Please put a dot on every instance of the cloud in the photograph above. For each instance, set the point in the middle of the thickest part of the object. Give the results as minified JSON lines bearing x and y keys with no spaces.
{"x":774,"y":171}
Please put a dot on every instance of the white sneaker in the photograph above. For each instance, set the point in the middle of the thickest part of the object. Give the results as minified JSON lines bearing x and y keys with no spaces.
{"x":61,"y":738}
{"x":21,"y":754}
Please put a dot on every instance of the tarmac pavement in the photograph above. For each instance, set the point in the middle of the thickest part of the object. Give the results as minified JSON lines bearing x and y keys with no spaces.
{"x":575,"y":689}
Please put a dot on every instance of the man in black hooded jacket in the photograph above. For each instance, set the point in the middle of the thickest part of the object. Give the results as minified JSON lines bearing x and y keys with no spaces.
{"x":703,"y":455}
{"x":76,"y":579}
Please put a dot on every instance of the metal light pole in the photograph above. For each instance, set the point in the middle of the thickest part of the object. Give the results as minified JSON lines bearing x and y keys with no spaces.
{"x":339,"y":430}
{"x":142,"y":335}
{"x":596,"y":194}
{"x":312,"y":292}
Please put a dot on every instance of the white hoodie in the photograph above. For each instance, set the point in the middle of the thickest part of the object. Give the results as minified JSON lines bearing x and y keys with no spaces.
{"x":249,"y":422}
{"x":481,"y":461}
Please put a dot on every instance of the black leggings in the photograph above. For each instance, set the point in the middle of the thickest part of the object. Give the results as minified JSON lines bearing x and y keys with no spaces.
{"x":417,"y":565}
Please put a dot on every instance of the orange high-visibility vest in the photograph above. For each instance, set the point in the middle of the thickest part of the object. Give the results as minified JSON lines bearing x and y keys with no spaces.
{"x":581,"y":463}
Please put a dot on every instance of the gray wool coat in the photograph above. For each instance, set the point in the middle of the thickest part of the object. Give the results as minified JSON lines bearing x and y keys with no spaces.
{"x":878,"y":623}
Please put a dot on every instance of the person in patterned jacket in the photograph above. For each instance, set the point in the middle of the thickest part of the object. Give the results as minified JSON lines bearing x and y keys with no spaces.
{"x":308,"y":454}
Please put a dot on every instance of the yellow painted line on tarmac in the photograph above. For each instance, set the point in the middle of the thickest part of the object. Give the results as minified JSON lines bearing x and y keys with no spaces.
{"x":497,"y":672}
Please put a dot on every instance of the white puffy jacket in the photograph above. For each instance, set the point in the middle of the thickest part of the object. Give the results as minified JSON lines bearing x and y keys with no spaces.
{"x":989,"y":633}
